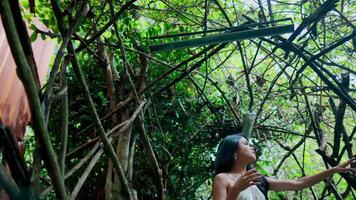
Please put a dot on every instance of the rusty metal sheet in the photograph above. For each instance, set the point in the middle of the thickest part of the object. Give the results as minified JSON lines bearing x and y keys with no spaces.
{"x":14,"y":108}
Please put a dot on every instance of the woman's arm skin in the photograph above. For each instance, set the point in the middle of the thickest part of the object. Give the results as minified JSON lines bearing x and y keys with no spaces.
{"x":308,"y":181}
{"x":221,"y":190}
{"x":219,"y":187}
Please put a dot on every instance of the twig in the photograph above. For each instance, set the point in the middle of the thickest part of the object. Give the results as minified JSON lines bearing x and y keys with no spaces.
{"x":86,"y":173}
{"x":74,"y":169}
{"x":64,"y":120}
{"x":339,"y":119}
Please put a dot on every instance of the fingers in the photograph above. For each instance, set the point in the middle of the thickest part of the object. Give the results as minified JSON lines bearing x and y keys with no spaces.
{"x":353,"y":159}
{"x":252,"y":176}
{"x":250,"y":172}
{"x":344,"y":170}
{"x":255,"y":177}
{"x":348,"y":162}
{"x":350,"y":170}
{"x":253,"y":183}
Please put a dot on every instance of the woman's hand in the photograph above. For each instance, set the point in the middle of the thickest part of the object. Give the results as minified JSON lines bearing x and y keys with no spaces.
{"x":251,"y":177}
{"x":308,"y":181}
{"x":222,"y":190}
{"x":342,"y":168}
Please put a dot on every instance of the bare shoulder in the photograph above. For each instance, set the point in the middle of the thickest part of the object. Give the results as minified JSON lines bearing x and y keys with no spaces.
{"x":221,"y":179}
{"x":220,"y":186}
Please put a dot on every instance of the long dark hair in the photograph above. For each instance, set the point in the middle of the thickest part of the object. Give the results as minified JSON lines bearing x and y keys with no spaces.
{"x":225,"y":159}
{"x":225,"y":156}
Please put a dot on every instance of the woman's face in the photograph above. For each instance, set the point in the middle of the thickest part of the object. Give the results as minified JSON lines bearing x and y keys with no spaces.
{"x":245,"y":153}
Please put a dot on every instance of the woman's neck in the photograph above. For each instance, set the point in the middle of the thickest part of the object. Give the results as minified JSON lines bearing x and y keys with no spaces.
{"x":239,"y":168}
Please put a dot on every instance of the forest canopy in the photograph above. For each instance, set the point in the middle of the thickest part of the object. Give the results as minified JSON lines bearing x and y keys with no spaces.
{"x":117,"y":120}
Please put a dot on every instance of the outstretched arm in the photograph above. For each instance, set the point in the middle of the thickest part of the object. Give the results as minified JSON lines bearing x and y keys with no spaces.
{"x":308,"y":181}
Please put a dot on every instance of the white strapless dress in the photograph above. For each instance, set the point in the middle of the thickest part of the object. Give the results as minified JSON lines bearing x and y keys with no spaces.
{"x":251,"y":193}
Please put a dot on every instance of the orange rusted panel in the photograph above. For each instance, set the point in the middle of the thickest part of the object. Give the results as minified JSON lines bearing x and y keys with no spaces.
{"x":14,"y":109}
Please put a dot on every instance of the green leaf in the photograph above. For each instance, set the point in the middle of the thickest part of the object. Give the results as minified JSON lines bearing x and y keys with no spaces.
{"x":43,"y":36}
{"x":32,"y":27}
{"x":33,"y":36}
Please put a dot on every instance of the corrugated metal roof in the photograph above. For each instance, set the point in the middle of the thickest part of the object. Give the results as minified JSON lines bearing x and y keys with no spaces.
{"x":14,"y":108}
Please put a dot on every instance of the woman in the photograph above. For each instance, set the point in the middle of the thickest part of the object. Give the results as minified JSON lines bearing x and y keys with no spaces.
{"x":234,"y":180}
